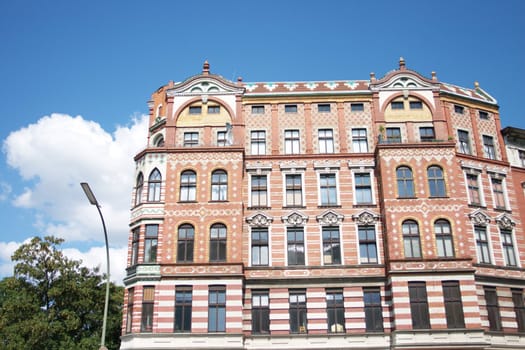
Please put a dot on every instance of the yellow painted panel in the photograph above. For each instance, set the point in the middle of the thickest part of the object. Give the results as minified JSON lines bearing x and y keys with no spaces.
{"x":206,"y":116}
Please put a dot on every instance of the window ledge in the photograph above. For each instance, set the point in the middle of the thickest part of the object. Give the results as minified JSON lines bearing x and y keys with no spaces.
{"x":438,"y":197}
{"x":364,"y":205}
{"x":187,"y":202}
{"x":218,"y":201}
{"x":294,"y":207}
{"x":259,"y":208}
{"x":329,"y":206}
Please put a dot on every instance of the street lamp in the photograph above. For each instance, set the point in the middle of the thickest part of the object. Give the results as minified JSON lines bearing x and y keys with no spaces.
{"x":93,"y":200}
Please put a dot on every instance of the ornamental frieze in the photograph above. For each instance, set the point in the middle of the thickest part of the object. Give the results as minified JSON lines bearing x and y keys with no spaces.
{"x":329,"y":218}
{"x":259,"y":220}
{"x":479,"y":218}
{"x":505,"y":222}
{"x":295,"y":219}
{"x":365,"y":218}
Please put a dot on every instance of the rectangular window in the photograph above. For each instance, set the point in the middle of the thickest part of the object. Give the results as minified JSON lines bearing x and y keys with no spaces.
{"x":326,"y":140}
{"x":397,"y":105}
{"x":482,"y":244}
{"x":473,"y":189}
{"x":260,"y":312}
{"x":335,"y":310}
{"x":295,"y":244}
{"x":416,"y":105}
{"x":464,"y":142}
{"x":426,"y":134}
{"x":419,"y":305}
{"x":151,"y":243}
{"x":183,"y":300}
{"x":363,"y":188}
{"x":507,"y":243}
{"x":258,"y":109}
{"x":493,"y":313}
{"x":393,"y":135}
{"x":459,"y":109}
{"x":519,"y":308}
{"x":331,"y":246}
{"x":129,"y":313}
{"x":195,"y":109}
{"x":521,"y":155}
{"x":367,"y":245}
{"x":221,"y":138}
{"x":294,"y":190}
{"x":328,"y":189}
{"x":488,"y":147}
{"x":135,"y":246}
{"x":323,"y":107}
{"x":483,"y":115}
{"x":297,"y":306}
{"x":290,"y":108}
{"x":214,"y":109}
{"x":453,"y":305}
{"x":217,"y":309}
{"x":258,"y":142}
{"x":359,"y":141}
{"x":357,"y":107}
{"x":373,"y":309}
{"x":191,"y":139}
{"x":259,"y":191}
{"x":498,"y":193}
{"x":146,"y":324}
{"x":291,"y":142}
{"x":260,"y":249}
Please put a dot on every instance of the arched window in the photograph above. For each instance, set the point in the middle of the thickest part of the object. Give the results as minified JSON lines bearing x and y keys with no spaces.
{"x":218,"y":242}
{"x":219,"y":185}
{"x":159,"y":141}
{"x":139,"y":188}
{"x":154,"y":182}
{"x":443,"y":232}
{"x":436,"y":181}
{"x":405,"y":182}
{"x":411,"y":240}
{"x":188,"y":186}
{"x":185,"y":238}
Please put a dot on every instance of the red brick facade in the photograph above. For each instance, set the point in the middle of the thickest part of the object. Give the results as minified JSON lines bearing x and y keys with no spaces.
{"x":378,"y":214}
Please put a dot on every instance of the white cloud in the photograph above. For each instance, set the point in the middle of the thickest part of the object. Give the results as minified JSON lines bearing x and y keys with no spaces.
{"x":53,"y":156}
{"x":57,"y":153}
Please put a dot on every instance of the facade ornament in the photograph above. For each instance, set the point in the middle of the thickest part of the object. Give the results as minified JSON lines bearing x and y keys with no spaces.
{"x":329,"y":218}
{"x":479,"y":218}
{"x":295,"y":219}
{"x":365,"y":218}
{"x":505,"y":222}
{"x":259,"y":220}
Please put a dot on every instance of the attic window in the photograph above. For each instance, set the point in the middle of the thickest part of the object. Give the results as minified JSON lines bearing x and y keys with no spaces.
{"x":397,"y":105}
{"x":459,"y":109}
{"x":214,"y":109}
{"x":483,"y":115}
{"x":290,"y":108}
{"x":195,"y":109}
{"x":416,"y":105}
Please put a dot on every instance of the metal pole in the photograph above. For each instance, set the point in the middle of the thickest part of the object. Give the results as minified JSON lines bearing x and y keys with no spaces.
{"x":104,"y":322}
{"x":93,"y":200}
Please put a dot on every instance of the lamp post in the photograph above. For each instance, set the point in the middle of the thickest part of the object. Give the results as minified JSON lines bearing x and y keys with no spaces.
{"x":93,"y":200}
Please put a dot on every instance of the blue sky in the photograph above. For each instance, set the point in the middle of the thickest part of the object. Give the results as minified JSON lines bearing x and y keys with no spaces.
{"x":75,"y":78}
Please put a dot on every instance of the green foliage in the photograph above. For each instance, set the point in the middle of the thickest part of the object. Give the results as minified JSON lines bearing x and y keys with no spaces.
{"x":54,"y":303}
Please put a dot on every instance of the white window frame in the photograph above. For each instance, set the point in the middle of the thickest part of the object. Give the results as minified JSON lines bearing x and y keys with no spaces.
{"x":478,"y":173}
{"x":501,"y":177}
{"x":320,"y":172}
{"x":341,"y":247}
{"x":291,"y":149}
{"x":489,"y":243}
{"x":376,"y":227}
{"x":329,"y":143}
{"x":269,"y":247}
{"x":258,"y":144}
{"x":360,"y":169}
{"x":355,"y":127}
{"x":303,"y":197}
{"x":268,"y":190}
{"x":286,"y":245}
{"x":516,"y":253}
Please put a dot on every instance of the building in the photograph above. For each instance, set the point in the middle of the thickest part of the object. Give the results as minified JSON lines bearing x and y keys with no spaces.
{"x":369,"y":214}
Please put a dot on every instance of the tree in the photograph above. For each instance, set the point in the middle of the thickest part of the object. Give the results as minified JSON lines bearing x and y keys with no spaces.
{"x":52,"y":302}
